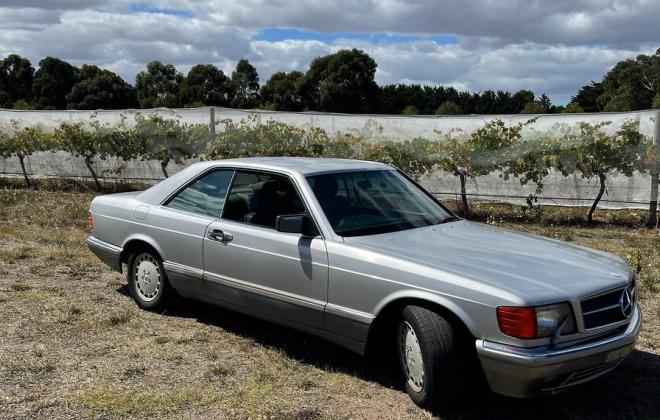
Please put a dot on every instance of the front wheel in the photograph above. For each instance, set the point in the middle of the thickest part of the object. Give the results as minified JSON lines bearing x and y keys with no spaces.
{"x":147,"y":281}
{"x":428,"y":354}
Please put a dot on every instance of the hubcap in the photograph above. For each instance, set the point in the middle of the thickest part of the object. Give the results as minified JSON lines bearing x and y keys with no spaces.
{"x":410,"y":354}
{"x":147,"y":277}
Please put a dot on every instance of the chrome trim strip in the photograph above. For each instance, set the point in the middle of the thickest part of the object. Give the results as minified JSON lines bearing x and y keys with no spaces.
{"x":265,"y":291}
{"x":183,"y":269}
{"x":344,"y":312}
{"x":607,"y":308}
{"x":105,"y":246}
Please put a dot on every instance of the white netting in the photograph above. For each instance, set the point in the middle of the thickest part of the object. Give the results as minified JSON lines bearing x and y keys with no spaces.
{"x":622,"y":191}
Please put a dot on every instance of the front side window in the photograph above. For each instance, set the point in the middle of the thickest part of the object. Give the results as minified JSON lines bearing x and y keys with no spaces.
{"x":258,"y":198}
{"x":206,"y":196}
{"x":370,"y":202}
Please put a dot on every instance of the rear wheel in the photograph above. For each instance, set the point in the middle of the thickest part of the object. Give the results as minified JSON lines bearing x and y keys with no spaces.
{"x":428,"y":355}
{"x":147,"y":281}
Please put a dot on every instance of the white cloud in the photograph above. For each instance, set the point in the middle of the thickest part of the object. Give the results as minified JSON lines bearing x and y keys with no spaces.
{"x":551,"y":47}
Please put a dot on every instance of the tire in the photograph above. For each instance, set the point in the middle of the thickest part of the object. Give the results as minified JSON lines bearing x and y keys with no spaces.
{"x":147,"y":281}
{"x":430,"y":361}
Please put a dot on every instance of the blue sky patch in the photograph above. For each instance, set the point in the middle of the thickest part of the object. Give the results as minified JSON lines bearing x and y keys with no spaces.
{"x":281,"y":34}
{"x":143,"y":8}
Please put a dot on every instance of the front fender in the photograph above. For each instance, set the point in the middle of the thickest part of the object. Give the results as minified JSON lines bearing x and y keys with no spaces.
{"x":446,"y":302}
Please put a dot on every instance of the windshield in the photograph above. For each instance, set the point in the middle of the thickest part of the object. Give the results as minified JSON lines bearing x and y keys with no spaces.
{"x":370,"y":202}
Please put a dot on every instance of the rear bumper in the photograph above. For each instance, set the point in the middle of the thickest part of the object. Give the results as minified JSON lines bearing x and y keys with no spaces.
{"x":523,"y":372}
{"x":108,"y":253}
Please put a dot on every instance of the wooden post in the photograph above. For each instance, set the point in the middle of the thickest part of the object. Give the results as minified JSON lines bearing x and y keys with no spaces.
{"x":655,"y":174}
{"x":212,"y":121}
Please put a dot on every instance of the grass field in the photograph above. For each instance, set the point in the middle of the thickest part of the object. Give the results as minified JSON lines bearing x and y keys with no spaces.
{"x":73,"y":344}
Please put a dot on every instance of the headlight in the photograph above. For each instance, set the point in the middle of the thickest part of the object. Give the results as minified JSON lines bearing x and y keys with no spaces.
{"x":536,"y":322}
{"x":551,"y":317}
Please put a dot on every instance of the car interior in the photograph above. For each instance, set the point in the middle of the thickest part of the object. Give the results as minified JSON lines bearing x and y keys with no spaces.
{"x":258,"y":198}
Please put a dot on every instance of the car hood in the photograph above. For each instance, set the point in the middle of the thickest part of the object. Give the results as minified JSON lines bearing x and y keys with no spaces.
{"x":539,"y":269}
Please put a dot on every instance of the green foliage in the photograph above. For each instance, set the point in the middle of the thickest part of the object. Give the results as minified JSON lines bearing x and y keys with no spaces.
{"x":206,"y":84}
{"x":22,"y":143}
{"x":283,"y":92}
{"x":410,"y":110}
{"x":588,"y":150}
{"x":16,"y":78}
{"x":342,"y":82}
{"x":247,"y":138}
{"x":158,"y":86}
{"x":245,"y":85}
{"x":168,"y":139}
{"x":449,"y":108}
{"x":631,"y":85}
{"x":52,"y":82}
{"x":100,"y":89}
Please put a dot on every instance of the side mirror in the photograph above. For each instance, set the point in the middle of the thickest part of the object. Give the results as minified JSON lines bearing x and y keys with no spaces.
{"x":296,"y":223}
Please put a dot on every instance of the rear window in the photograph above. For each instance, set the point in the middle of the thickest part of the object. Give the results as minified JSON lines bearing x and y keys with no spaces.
{"x":206,"y":196}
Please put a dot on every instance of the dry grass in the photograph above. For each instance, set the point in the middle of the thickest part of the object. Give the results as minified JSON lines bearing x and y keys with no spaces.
{"x":73,"y":344}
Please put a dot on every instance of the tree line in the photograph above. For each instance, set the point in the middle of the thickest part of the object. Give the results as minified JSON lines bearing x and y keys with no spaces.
{"x":339,"y":82}
{"x":584,"y":149}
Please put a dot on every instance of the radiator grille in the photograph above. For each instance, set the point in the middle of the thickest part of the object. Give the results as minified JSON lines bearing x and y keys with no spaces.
{"x":608,"y":308}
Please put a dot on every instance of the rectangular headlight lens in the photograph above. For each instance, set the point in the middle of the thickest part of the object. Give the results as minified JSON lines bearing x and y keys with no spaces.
{"x":551,"y":317}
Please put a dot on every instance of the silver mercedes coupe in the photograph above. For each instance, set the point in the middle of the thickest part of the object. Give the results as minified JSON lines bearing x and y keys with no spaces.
{"x":359,"y":254}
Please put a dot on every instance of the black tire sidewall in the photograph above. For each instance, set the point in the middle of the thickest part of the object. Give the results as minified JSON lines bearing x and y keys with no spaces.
{"x":442,"y":366}
{"x":161,"y":298}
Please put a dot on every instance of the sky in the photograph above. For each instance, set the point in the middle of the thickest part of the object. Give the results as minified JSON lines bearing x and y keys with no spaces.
{"x":551,"y":47}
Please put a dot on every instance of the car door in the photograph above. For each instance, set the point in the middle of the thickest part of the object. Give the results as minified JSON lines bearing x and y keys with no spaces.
{"x":250,"y":264}
{"x":178,"y":227}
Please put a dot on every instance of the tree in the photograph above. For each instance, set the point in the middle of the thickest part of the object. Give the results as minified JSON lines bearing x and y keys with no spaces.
{"x":100,"y":89}
{"x":342,"y":82}
{"x":245,"y":85}
{"x":449,"y":108}
{"x":541,"y":105}
{"x":587,"y":149}
{"x":572,"y":108}
{"x":485,"y":150}
{"x":282,"y":92}
{"x":16,"y":78}
{"x":80,"y":142}
{"x":167,"y":139}
{"x":52,"y":82}
{"x":520,"y":99}
{"x":206,"y":84}
{"x":632,"y":84}
{"x":22,"y":143}
{"x":158,"y":86}
{"x":410,"y":110}
{"x":587,"y":97}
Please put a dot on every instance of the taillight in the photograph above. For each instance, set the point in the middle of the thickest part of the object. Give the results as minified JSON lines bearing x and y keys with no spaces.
{"x":519,"y":322}
{"x":90,"y":221}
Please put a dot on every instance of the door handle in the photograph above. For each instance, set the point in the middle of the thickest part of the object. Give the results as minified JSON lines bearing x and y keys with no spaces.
{"x":219,"y":235}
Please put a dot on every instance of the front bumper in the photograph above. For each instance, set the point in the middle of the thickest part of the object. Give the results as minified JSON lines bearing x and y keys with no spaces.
{"x":525,"y":372}
{"x":108,"y":253}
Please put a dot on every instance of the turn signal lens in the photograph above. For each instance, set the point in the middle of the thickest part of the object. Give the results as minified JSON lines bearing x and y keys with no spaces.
{"x":519,"y":322}
{"x":90,"y":221}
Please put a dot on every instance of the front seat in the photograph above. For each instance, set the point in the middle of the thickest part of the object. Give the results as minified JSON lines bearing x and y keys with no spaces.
{"x":334,"y":206}
{"x":262,"y":204}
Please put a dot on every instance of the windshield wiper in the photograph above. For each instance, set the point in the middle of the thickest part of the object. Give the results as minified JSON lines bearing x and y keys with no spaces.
{"x":449,"y":219}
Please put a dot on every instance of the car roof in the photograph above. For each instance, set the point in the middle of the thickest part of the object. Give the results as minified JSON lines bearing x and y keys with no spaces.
{"x":291,"y":165}
{"x":302,"y":165}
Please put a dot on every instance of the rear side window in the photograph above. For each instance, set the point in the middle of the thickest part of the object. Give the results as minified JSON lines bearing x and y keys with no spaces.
{"x":206,"y":196}
{"x":258,"y":198}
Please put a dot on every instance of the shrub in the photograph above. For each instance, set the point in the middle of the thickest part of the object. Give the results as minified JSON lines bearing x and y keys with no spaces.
{"x":589,"y":151}
{"x":167,"y":139}
{"x":22,"y":143}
